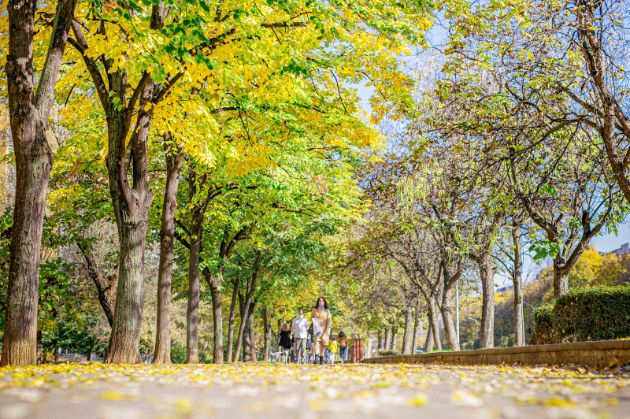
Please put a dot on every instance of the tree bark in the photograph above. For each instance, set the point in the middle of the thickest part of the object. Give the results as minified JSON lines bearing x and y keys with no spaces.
{"x":517,"y":281}
{"x":131,"y":207}
{"x":417,"y":328}
{"x":217,"y":316}
{"x":252,"y":335}
{"x":560,"y":281}
{"x":242,"y":313}
{"x":105,"y":286}
{"x":407,"y":334}
{"x":125,"y":335}
{"x":162,"y":353}
{"x":126,"y":160}
{"x":434,"y":322}
{"x":267,"y":330}
{"x":246,"y":305}
{"x":487,"y":301}
{"x":387,"y":340}
{"x":194,"y":293}
{"x":28,"y":115}
{"x":249,"y":347}
{"x":428,"y":343}
{"x":449,"y":323}
{"x":197,"y":218}
{"x":231,"y":320}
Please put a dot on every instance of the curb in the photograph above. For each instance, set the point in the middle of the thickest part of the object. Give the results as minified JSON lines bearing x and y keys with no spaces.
{"x":594,"y":354}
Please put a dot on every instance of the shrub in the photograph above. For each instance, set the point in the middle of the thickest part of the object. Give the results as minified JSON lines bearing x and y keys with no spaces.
{"x":178,"y":352}
{"x":543,"y":327}
{"x":598,"y":313}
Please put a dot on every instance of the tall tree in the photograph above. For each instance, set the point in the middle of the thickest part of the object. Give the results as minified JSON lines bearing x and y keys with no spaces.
{"x":174,"y":158}
{"x":29,"y":109}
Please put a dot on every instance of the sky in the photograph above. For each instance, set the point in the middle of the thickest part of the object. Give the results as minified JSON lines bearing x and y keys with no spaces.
{"x":610,"y":242}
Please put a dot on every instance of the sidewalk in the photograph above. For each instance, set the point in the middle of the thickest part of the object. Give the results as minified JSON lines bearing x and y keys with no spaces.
{"x":292,"y":391}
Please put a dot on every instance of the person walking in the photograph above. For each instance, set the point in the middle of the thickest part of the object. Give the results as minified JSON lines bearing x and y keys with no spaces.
{"x":343,"y":347}
{"x":333,"y":348}
{"x":300,"y":336}
{"x":322,"y":323}
{"x":285,"y":341}
{"x":310,"y":352}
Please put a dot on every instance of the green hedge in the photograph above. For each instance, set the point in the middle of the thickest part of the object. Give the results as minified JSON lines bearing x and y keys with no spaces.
{"x":543,"y":327}
{"x":584,"y":314}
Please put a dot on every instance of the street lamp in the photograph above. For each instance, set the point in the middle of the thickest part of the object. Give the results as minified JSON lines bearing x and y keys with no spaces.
{"x":457,"y":310}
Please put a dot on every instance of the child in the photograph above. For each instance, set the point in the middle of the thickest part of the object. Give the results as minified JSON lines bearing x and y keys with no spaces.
{"x":343,"y":347}
{"x":332,"y":347}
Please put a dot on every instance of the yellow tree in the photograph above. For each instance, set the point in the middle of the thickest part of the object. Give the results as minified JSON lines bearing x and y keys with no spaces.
{"x":145,"y":60}
{"x":29,"y":109}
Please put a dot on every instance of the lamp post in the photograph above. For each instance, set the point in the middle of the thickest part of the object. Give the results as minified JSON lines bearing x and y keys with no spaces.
{"x":457,"y":310}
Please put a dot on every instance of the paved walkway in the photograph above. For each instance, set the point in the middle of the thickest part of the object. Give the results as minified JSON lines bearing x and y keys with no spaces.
{"x":343,"y":391}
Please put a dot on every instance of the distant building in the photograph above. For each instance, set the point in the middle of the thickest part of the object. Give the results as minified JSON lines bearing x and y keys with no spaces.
{"x":623,"y":250}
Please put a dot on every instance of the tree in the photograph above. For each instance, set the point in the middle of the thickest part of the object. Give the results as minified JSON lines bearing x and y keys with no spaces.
{"x":530,"y":129}
{"x":179,"y":58}
{"x":29,"y":110}
{"x":173,"y":157}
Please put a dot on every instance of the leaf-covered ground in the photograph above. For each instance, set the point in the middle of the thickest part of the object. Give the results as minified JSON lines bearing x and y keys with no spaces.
{"x":278,"y":391}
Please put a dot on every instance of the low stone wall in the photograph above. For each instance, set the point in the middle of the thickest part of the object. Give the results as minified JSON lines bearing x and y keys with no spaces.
{"x":596,"y":354}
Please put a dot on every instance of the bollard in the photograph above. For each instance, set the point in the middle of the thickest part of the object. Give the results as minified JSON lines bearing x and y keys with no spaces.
{"x":357,"y":350}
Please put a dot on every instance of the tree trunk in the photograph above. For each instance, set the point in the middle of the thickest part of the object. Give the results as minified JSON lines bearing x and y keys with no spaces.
{"x":560,"y":281}
{"x":387,"y":340}
{"x":217,"y":317}
{"x":28,"y":114}
{"x":434,"y":322}
{"x":267,"y":330}
{"x":380,"y":339}
{"x":194,"y":293}
{"x":407,"y":334}
{"x":131,"y":207}
{"x":246,"y":306}
{"x":249,"y":350}
{"x":105,"y":286}
{"x":242,"y":312}
{"x":449,"y":324}
{"x":246,"y":340}
{"x":417,"y":328}
{"x":487,"y":306}
{"x":428,"y":343}
{"x":394,"y":343}
{"x":517,"y":281}
{"x":125,"y":335}
{"x":162,"y":353}
{"x":126,"y":161}
{"x":230,"y":334}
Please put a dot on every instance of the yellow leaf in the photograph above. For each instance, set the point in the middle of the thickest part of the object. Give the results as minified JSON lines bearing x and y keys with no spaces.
{"x":558,"y":402}
{"x":418,"y":400}
{"x":112,"y":395}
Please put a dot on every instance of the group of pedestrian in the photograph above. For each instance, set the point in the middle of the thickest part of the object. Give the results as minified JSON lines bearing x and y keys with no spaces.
{"x":314,"y":342}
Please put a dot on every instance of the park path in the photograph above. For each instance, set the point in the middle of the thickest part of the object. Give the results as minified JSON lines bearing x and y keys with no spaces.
{"x":295,"y":391}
